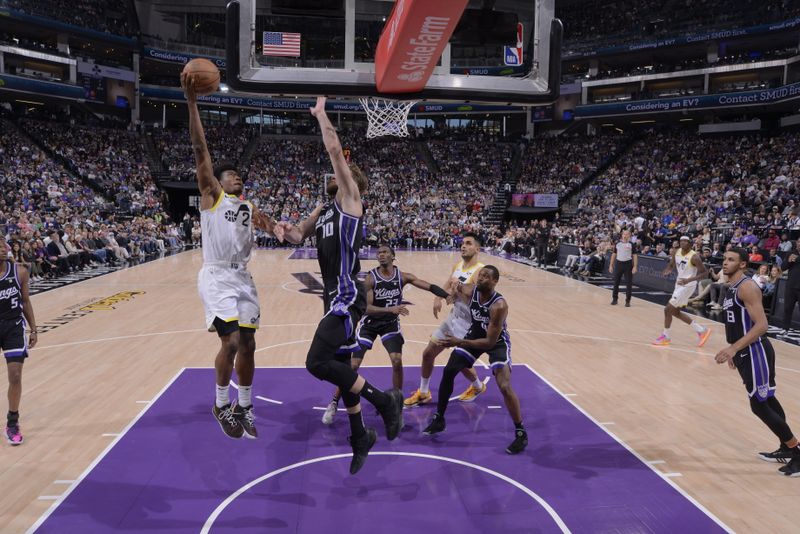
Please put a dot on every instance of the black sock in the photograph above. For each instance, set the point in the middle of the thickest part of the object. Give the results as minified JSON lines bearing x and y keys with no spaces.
{"x":13,"y":418}
{"x":375,"y":396}
{"x":356,"y":425}
{"x":519,"y":426}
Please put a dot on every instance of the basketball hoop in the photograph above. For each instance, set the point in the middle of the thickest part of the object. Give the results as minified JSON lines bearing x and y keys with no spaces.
{"x":386,"y":117}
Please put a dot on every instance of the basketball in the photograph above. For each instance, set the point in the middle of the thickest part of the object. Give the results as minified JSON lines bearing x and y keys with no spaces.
{"x":206,"y":75}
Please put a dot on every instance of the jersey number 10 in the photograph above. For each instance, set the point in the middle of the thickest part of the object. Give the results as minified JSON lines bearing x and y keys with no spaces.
{"x":327,"y":229}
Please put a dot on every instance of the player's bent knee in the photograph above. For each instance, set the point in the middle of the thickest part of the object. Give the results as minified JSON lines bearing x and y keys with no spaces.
{"x":317,"y":368}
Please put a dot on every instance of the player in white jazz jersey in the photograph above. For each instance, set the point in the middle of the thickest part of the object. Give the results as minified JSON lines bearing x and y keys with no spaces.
{"x":226,"y":288}
{"x":690,"y":269}
{"x":457,"y":324}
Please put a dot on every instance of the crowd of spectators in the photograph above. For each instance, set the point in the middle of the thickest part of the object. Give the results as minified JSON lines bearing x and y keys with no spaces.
{"x":726,"y":191}
{"x":621,"y":21}
{"x":57,"y":224}
{"x":225,"y":143}
{"x":111,"y":158}
{"x":560,"y":164}
{"x":109,"y":17}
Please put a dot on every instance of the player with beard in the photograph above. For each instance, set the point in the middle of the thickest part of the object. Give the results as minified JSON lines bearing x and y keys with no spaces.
{"x":338,"y":226}
{"x":456,"y":324}
{"x":384,"y":287}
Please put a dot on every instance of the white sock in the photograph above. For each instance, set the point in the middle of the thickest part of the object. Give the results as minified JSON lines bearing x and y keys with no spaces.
{"x":477,"y":384}
{"x":222,"y":396}
{"x":424,"y":385}
{"x":666,"y":333}
{"x":698,"y":327}
{"x":245,"y":399}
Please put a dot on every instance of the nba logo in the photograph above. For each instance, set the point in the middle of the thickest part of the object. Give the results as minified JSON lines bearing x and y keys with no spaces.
{"x":512,"y":56}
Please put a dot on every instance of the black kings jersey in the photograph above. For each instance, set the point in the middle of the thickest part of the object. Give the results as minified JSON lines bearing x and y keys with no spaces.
{"x":481,"y":318}
{"x":737,"y":319}
{"x":386,"y":292}
{"x":10,"y":293}
{"x":338,"y":242}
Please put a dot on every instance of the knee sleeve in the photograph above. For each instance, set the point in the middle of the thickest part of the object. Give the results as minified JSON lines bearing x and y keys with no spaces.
{"x":350,"y":399}
{"x":455,"y":365}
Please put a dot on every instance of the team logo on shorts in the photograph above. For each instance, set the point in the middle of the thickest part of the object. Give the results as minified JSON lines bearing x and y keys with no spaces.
{"x":763,"y":390}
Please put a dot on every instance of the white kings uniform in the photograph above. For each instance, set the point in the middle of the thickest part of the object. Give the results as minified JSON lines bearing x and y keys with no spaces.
{"x":226,"y":288}
{"x":683,"y":264}
{"x":460,"y":319}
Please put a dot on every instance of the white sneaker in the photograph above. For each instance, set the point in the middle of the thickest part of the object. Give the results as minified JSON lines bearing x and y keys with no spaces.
{"x":330,"y":411}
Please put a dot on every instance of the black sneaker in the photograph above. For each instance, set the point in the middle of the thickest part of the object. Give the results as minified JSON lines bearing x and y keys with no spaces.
{"x":613,"y":302}
{"x":781,"y":456}
{"x":627,"y":304}
{"x":247,"y":419}
{"x":361,"y":447}
{"x":792,"y":469}
{"x":393,"y":414}
{"x":436,"y":425}
{"x":228,"y":422}
{"x":519,"y":443}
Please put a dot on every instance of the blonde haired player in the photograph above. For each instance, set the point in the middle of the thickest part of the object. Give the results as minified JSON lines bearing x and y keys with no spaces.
{"x":456,"y":325}
{"x":226,"y":288}
{"x":690,"y":269}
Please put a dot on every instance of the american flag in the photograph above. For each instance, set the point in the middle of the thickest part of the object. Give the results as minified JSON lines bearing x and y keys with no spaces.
{"x":281,"y":44}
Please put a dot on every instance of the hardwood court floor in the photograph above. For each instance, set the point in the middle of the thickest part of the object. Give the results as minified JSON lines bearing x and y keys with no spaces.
{"x":116,"y":340}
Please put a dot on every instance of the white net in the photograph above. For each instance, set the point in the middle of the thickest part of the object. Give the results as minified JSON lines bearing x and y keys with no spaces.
{"x":386,"y":117}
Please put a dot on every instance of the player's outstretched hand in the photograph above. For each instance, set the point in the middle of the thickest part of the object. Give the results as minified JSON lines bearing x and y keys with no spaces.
{"x":400,"y":310}
{"x":262,"y":222}
{"x":319,"y":108}
{"x":280,"y":230}
{"x":437,"y":307}
{"x":187,"y":83}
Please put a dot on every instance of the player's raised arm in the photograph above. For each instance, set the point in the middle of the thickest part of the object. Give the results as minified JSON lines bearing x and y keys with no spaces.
{"x":409,"y":278}
{"x":348,"y":194}
{"x":207,"y":183}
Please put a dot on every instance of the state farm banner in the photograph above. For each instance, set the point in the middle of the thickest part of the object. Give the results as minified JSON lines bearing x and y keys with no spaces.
{"x":413,"y":41}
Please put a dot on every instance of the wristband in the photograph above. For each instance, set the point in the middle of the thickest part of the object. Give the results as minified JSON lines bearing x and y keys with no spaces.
{"x":438,"y":291}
